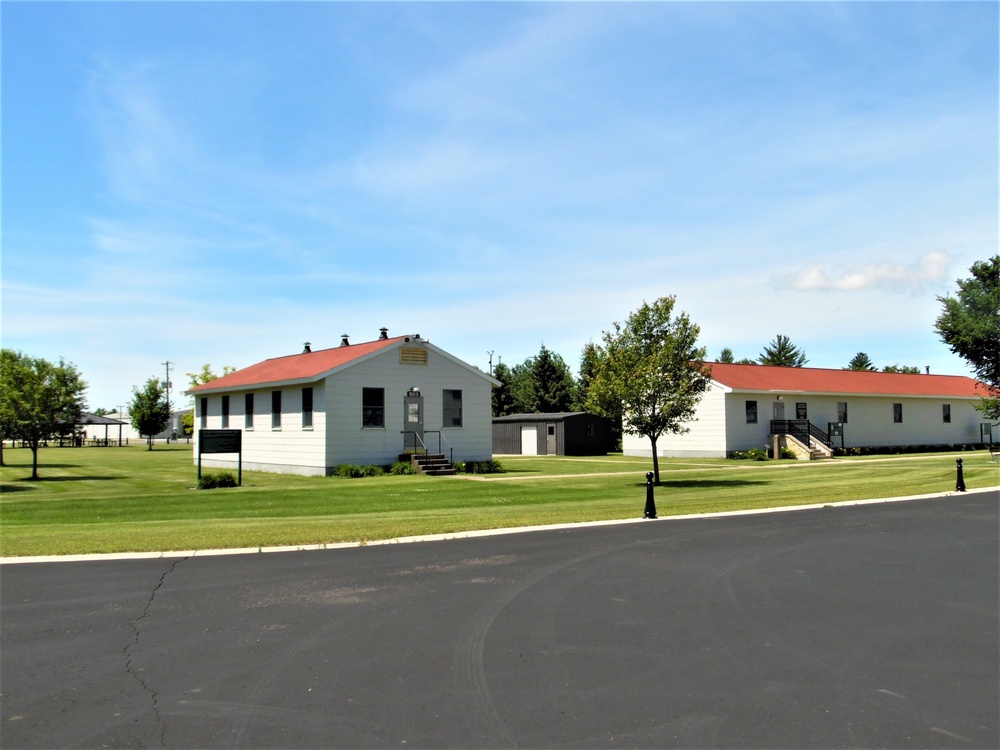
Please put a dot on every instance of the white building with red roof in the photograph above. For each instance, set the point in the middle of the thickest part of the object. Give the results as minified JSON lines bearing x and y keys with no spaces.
{"x":363,"y":404}
{"x":747,"y":404}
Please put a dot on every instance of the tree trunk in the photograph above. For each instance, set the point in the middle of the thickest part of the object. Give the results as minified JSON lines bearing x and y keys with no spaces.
{"x":34,"y":458}
{"x":656,"y":462}
{"x":149,"y":441}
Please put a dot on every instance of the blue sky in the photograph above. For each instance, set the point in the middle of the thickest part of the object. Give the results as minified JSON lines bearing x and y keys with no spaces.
{"x":221,"y":182}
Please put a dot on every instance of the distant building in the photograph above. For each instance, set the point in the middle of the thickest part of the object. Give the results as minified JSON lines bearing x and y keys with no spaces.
{"x":557,"y":434}
{"x":747,"y":404}
{"x":96,"y":428}
{"x":365,"y":403}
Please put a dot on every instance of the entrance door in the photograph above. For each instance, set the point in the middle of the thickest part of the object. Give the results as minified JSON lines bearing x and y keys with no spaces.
{"x":413,"y":420}
{"x":778,"y":412}
{"x":550,"y":439}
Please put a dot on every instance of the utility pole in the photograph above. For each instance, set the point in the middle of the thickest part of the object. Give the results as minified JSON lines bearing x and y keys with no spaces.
{"x":491,"y":361}
{"x":166,"y":384}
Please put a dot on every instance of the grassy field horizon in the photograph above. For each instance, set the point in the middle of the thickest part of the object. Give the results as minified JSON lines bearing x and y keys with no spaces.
{"x":132,"y":500}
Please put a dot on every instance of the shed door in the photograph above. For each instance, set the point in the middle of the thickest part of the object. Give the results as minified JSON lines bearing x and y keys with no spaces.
{"x":550,"y":439}
{"x":529,"y":440}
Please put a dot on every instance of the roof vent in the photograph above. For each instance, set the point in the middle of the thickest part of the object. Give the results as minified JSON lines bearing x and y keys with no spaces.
{"x":343,"y":340}
{"x":307,"y":348}
{"x":928,"y":369}
{"x":383,"y":334}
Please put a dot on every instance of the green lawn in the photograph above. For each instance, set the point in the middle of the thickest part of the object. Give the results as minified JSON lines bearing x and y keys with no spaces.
{"x":131,"y":499}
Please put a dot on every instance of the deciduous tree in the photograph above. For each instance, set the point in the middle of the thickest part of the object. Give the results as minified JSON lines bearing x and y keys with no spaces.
{"x":969,"y":324}
{"x":652,"y":372}
{"x":206,"y":375}
{"x":38,"y":399}
{"x":149,"y":410}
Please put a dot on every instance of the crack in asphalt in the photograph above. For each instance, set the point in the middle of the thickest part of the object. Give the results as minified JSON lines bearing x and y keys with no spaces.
{"x":127,"y":652}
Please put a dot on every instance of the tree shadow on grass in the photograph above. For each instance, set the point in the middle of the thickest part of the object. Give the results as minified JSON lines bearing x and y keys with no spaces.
{"x":5,"y":488}
{"x":27,"y":466}
{"x":43,"y":478}
{"x":704,"y":483}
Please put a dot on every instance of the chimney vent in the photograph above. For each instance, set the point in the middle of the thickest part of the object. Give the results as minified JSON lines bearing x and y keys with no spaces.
{"x":343,"y":340}
{"x":383,"y":334}
{"x":928,"y":369}
{"x":307,"y":348}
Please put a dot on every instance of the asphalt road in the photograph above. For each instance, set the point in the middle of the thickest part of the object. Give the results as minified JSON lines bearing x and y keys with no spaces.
{"x":866,"y":626}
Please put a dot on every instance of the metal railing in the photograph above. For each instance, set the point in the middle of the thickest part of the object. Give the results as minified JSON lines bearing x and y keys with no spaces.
{"x":800,"y":429}
{"x":451,"y":450}
{"x":416,"y":439}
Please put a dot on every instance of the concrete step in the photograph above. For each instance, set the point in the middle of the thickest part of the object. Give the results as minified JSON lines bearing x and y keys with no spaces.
{"x":431,"y":464}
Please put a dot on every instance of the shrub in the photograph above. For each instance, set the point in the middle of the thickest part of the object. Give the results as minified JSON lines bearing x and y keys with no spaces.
{"x":401,"y":467}
{"x":875,"y":450}
{"x":788,"y":453}
{"x":353,"y":471}
{"x":211,"y":480}
{"x":491,"y":466}
{"x":754,"y":454}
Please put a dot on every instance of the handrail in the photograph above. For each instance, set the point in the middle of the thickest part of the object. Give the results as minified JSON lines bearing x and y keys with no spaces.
{"x":416,"y":439}
{"x":451,"y":449}
{"x":802,"y":429}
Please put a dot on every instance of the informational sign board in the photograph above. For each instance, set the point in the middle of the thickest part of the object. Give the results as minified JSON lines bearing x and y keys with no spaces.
{"x":221,"y":441}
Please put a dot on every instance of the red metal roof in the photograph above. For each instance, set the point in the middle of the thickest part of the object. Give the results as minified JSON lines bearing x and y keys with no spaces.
{"x":815,"y":380}
{"x":303,"y":367}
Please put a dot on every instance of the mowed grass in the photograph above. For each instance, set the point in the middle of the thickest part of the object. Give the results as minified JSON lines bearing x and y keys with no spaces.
{"x":130,"y":499}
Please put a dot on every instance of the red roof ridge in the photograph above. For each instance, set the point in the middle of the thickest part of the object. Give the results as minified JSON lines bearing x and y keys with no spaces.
{"x":775,"y":378}
{"x":304,"y":366}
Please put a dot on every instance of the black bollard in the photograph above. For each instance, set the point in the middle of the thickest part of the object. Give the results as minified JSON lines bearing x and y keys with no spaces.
{"x":650,"y":503}
{"x":960,"y":481}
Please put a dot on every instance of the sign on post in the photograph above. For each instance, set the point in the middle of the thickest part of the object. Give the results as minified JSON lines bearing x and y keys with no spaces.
{"x":222,"y":441}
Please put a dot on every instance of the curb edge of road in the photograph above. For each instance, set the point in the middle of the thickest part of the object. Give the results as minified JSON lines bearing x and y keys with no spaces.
{"x":171,"y":554}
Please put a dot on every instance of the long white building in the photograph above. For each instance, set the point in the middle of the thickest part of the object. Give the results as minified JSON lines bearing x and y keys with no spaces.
{"x":746,"y":404}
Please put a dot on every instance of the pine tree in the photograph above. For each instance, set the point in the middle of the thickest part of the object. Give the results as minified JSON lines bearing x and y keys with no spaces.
{"x":861,"y":361}
{"x":552,"y":382}
{"x":503,"y":399}
{"x":782,"y":353}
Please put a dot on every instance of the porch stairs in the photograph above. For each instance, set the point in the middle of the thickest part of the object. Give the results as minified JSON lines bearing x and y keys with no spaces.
{"x":431,"y":464}
{"x":807,"y":441}
{"x":815,"y":451}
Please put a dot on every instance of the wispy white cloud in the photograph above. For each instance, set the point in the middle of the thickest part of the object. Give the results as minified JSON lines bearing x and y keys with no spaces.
{"x":898,"y":277}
